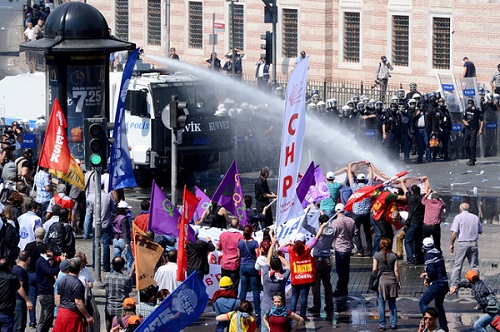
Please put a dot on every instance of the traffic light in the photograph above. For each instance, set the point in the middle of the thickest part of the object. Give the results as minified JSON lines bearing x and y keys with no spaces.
{"x":96,"y":143}
{"x":178,"y":113}
{"x":268,"y":46}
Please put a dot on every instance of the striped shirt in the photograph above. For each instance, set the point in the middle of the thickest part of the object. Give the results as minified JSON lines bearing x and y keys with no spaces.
{"x":42,"y":180}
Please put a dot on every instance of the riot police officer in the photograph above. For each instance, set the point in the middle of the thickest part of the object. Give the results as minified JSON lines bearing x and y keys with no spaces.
{"x":473,"y":123}
{"x":444,"y":127}
{"x":406,"y":124}
{"x":391,"y":129}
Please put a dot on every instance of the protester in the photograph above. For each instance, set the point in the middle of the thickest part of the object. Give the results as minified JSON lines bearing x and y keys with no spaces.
{"x":344,"y":230}
{"x":240,"y":320}
{"x":322,"y":255}
{"x":436,"y":280}
{"x":484,"y":296}
{"x":414,"y":222}
{"x":434,"y":206}
{"x":263,"y":195}
{"x":197,"y":256}
{"x":118,"y":287}
{"x":28,"y":222}
{"x":121,"y":320}
{"x":465,"y":228}
{"x":71,"y":302}
{"x":327,"y":205}
{"x":303,"y":268}
{"x":121,"y":233}
{"x":385,"y":262}
{"x":9,"y":284}
{"x":23,"y":302}
{"x":228,"y":243}
{"x":224,"y":300}
{"x":279,"y":316}
{"x":428,"y":322}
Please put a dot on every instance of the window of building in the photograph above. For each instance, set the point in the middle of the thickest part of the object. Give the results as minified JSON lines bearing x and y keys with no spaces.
{"x":441,"y":43}
{"x":195,"y":24}
{"x":351,"y":36}
{"x":121,"y":20}
{"x":400,"y":40}
{"x":154,"y":22}
{"x":290,"y":41}
{"x":239,"y":26}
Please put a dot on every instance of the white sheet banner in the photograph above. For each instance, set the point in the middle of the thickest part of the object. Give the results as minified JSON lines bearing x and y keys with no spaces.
{"x":292,"y":137}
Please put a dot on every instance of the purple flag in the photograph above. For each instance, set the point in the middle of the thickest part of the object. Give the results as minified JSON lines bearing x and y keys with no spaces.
{"x":204,"y":201}
{"x":305,"y":183}
{"x":229,"y":194}
{"x":164,"y":218}
{"x":319,"y":190}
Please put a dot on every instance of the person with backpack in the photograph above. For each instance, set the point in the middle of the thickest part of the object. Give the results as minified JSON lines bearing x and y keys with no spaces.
{"x":224,"y":300}
{"x":484,"y":296}
{"x":34,"y":249}
{"x":129,"y":307}
{"x":61,"y":234}
{"x":240,"y":320}
{"x":24,"y":167}
{"x":65,"y":201}
{"x":121,"y":232}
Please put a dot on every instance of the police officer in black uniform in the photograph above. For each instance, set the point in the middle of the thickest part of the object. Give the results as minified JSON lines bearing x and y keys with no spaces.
{"x":444,"y":127}
{"x":391,"y":129}
{"x":473,"y":123}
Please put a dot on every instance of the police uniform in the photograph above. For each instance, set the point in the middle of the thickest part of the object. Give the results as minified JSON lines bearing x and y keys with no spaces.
{"x":443,"y":117}
{"x":392,"y":122}
{"x":474,"y":117}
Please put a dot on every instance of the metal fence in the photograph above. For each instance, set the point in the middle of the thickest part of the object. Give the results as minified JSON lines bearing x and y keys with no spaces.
{"x":340,"y":90}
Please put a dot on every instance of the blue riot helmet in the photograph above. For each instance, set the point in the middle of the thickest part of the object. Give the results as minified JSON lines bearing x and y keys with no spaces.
{"x":481,"y":91}
{"x":432,"y":97}
{"x":314,"y":92}
{"x":425,"y":97}
{"x":438,"y":95}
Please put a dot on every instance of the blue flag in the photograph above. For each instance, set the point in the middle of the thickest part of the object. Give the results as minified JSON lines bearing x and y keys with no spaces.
{"x":121,"y":172}
{"x":180,"y":309}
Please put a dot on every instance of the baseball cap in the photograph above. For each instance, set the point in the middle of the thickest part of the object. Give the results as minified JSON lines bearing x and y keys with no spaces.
{"x":134,"y":320}
{"x":428,"y":242}
{"x":300,"y":237}
{"x":129,"y":302}
{"x":64,"y":266}
{"x":123,"y":205}
{"x":361,"y":176}
{"x":471,"y":275}
{"x":339,"y":207}
{"x":330,"y":176}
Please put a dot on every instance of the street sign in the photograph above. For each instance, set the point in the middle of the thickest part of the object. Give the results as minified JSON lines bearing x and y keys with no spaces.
{"x":219,"y":27}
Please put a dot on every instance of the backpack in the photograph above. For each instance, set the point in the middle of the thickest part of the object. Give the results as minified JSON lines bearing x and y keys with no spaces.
{"x":57,"y":234}
{"x":19,"y":166}
{"x":9,"y":172}
{"x":210,"y":219}
{"x":9,"y":240}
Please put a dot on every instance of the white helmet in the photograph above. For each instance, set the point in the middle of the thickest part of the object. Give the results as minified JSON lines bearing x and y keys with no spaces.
{"x":412,"y":101}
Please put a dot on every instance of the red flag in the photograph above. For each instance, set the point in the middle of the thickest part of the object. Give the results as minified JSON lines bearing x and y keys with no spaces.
{"x":360,"y":194}
{"x":55,"y":150}
{"x":189,"y":204}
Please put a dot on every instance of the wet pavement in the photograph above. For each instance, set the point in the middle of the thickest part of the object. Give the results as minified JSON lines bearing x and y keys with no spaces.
{"x":358,"y":311}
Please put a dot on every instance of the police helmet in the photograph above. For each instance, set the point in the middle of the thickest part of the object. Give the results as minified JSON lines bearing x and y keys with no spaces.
{"x":360,"y":106}
{"x":332,"y":103}
{"x":355,"y":98}
{"x":488,"y":97}
{"x":346,"y":111}
{"x":432,"y":96}
{"x":413,"y":86}
{"x":371,"y":103}
{"x":416,"y":96}
{"x":315,"y":98}
{"x":400,"y":93}
{"x":394,"y":99}
{"x":350,"y":103}
{"x":365,"y":100}
{"x":412,"y":101}
{"x":312,"y":107}
{"x":379,"y":105}
{"x":314,"y":92}
{"x":321,"y":106}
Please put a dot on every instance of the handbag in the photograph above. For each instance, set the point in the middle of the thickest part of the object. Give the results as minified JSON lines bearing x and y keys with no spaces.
{"x":434,"y":142}
{"x":374,"y":281}
{"x":496,"y":324}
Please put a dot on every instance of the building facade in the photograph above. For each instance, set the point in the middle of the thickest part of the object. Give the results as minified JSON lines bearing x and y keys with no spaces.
{"x":344,"y":39}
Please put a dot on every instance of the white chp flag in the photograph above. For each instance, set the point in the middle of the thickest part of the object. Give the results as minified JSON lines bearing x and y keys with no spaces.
{"x":294,"y":125}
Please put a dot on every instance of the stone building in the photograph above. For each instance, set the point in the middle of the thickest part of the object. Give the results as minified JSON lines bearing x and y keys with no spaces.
{"x":344,"y":38}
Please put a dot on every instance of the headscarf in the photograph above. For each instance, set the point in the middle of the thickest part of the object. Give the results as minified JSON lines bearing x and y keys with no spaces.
{"x":278,"y":312}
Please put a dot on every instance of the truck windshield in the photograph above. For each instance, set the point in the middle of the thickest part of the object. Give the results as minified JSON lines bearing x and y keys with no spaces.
{"x":200,"y":98}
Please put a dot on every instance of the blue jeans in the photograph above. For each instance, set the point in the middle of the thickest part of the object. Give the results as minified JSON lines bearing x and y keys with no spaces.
{"x":263,"y":327}
{"x":6,"y":322}
{"x":119,"y":248}
{"x":437,"y":292}
{"x":106,"y":251}
{"x":199,"y":273}
{"x":342,"y":263}
{"x":87,"y":224}
{"x":20,"y":316}
{"x":482,"y":322}
{"x":33,"y":292}
{"x":413,"y":243}
{"x":303,"y":292}
{"x":45,"y":205}
{"x":393,"y":311}
{"x":248,"y":273}
{"x":423,"y":144}
{"x":376,"y":238}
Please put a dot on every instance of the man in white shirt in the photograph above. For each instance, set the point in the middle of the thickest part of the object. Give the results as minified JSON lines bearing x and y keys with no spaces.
{"x":27,"y":224}
{"x":166,"y":274}
{"x":28,"y":33}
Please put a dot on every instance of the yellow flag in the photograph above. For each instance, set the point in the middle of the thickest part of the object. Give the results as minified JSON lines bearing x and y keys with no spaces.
{"x":74,"y":176}
{"x":147,"y":254}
